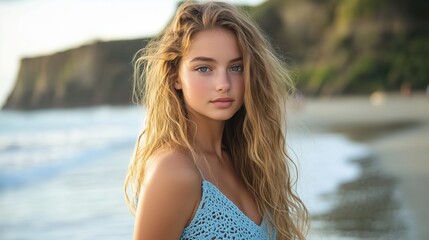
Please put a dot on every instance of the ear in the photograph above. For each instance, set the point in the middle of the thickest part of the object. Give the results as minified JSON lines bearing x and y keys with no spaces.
{"x":178,"y":82}
{"x":178,"y":85}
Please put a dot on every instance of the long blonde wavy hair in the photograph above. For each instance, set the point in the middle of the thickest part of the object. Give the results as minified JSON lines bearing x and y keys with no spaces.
{"x":254,"y":136}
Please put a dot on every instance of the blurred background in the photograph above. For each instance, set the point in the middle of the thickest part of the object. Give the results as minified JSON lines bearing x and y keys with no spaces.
{"x":358,"y":122}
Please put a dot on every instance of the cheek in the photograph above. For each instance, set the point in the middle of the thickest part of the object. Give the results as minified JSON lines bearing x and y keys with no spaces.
{"x":193,"y":88}
{"x":198,"y":86}
{"x":239,"y":86}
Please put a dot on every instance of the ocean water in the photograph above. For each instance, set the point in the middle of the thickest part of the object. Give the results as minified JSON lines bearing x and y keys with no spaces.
{"x":62,"y":171}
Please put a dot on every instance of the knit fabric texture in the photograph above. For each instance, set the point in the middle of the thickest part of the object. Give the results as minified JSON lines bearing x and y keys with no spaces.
{"x":218,"y":217}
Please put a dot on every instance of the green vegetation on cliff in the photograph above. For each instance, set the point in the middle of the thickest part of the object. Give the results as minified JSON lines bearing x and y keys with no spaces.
{"x":350,"y":46}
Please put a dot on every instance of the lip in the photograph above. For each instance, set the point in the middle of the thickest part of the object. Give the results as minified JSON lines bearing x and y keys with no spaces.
{"x":220,"y":100}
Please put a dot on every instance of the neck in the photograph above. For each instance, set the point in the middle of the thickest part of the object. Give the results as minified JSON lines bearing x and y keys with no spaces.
{"x":208,"y":136}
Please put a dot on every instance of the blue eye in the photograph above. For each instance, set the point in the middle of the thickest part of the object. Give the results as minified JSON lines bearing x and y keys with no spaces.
{"x":237,"y":68}
{"x":203,"y":69}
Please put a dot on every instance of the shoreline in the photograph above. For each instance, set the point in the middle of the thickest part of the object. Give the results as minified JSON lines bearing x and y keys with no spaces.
{"x":387,"y":200}
{"x":367,"y":207}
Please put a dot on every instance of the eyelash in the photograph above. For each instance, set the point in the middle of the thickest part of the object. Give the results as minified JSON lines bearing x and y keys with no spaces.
{"x":199,"y":69}
{"x":241,"y":68}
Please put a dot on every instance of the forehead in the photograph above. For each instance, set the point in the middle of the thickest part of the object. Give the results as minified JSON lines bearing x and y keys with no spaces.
{"x":217,"y":43}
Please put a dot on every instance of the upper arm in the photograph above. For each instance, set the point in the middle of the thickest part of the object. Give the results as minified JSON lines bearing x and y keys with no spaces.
{"x":168,"y":196}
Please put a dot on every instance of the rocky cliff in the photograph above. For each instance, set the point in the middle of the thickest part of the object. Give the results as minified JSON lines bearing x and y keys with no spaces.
{"x":93,"y":74}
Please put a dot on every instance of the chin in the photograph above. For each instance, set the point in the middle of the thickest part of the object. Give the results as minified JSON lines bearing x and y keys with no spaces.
{"x":222,"y":117}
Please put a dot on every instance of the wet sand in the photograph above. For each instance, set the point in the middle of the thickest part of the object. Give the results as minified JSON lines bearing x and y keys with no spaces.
{"x":389,"y":200}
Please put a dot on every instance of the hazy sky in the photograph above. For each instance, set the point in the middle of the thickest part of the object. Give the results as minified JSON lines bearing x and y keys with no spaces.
{"x":38,"y":27}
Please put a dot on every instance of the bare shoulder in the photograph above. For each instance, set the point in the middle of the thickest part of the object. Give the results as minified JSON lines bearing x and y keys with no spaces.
{"x":170,"y":191}
{"x":174,"y":167}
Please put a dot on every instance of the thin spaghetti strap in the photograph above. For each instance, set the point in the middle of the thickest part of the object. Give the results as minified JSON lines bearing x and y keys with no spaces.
{"x":201,"y":172}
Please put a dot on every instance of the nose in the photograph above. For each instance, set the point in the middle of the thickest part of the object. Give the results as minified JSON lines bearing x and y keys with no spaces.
{"x":223,"y":82}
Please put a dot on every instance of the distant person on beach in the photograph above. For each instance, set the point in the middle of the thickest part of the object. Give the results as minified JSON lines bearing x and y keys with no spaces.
{"x":211,"y":162}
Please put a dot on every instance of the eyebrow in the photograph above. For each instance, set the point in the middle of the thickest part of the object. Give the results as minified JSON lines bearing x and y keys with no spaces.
{"x":207,"y":59}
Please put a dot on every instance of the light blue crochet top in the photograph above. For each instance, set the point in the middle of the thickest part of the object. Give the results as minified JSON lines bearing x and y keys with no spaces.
{"x":217,"y":217}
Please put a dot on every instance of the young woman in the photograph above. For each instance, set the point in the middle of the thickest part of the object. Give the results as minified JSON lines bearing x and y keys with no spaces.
{"x":211,"y":163}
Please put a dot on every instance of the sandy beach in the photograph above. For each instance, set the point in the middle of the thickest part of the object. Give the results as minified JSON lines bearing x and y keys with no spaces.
{"x":389,"y":199}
